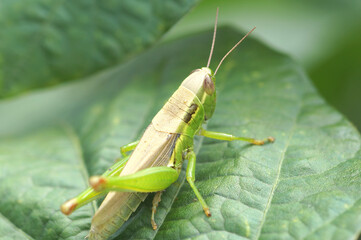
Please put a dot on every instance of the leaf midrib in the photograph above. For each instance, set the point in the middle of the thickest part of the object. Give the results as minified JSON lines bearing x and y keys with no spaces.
{"x":277,"y":180}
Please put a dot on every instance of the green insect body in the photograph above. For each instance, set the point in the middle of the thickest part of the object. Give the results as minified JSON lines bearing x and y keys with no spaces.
{"x":158,"y":156}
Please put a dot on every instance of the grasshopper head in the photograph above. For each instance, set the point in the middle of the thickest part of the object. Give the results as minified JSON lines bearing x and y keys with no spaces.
{"x":202,"y":83}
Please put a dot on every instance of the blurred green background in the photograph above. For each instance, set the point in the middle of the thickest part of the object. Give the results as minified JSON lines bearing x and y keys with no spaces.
{"x":324,"y":36}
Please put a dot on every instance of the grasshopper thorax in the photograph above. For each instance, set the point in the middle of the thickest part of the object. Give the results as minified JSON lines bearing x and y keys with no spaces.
{"x":202,"y":83}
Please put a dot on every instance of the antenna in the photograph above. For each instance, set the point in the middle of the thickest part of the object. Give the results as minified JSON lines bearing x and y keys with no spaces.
{"x":214,"y":39}
{"x":233,"y":49}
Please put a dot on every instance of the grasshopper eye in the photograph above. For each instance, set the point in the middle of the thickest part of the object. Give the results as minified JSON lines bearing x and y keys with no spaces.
{"x":208,"y":85}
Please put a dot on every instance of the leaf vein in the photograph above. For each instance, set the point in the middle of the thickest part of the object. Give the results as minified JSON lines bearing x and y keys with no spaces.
{"x":13,"y":224}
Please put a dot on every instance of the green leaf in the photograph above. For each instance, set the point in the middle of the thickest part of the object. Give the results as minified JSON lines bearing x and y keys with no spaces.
{"x":306,"y":185}
{"x":44,"y":42}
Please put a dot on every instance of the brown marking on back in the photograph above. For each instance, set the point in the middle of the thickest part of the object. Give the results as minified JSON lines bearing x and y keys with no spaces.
{"x":192,"y":109}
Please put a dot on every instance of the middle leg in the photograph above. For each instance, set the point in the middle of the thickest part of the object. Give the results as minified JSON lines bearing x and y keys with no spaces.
{"x":156,"y":201}
{"x":191,"y":167}
{"x":229,"y":137}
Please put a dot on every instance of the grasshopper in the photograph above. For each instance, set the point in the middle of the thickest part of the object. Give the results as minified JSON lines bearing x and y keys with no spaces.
{"x":158,"y":156}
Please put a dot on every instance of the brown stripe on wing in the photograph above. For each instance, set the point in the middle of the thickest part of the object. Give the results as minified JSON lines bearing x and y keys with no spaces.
{"x":166,"y":153}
